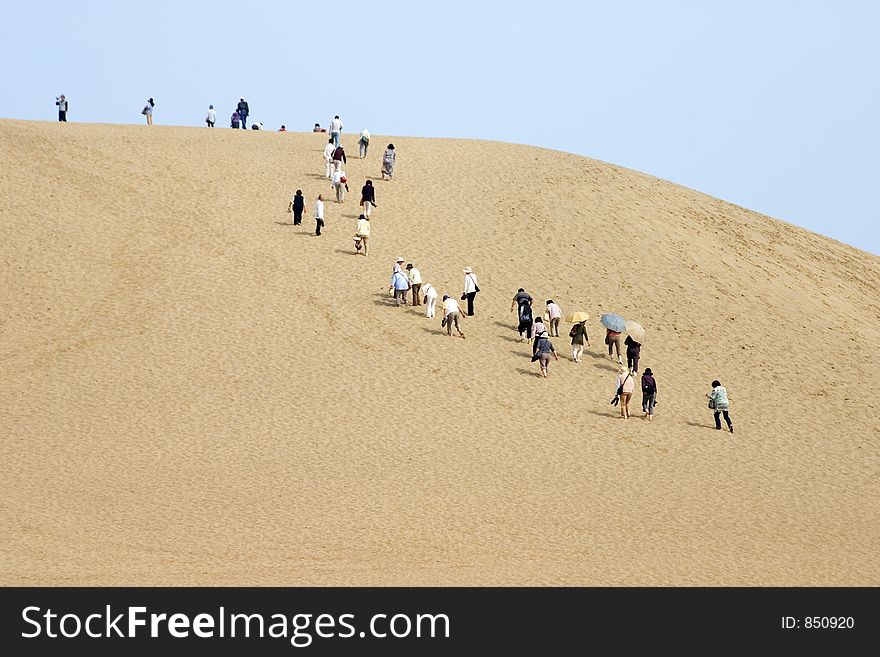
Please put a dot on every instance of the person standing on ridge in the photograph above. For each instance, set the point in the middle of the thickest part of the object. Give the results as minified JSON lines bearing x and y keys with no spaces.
{"x":148,"y":111}
{"x":61,"y":101}
{"x":335,"y":130}
{"x":211,"y":116}
{"x":243,"y":111}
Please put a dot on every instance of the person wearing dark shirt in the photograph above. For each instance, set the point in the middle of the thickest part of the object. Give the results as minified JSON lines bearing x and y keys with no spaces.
{"x":578,"y":335}
{"x":339,"y":157}
{"x":61,"y":101}
{"x":633,"y":349}
{"x":649,"y":394}
{"x":297,"y":205}
{"x":368,"y":197}
{"x":522,"y":301}
{"x":243,"y":111}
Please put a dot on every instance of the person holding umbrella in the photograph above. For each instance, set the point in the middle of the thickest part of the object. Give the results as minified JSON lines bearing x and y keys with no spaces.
{"x":614,"y":325}
{"x":578,"y":334}
{"x":633,"y":342}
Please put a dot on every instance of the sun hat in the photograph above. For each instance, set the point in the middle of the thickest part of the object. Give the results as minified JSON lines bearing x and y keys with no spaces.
{"x":467,"y":270}
{"x":648,"y":372}
{"x":409,"y":266}
{"x":445,"y":297}
{"x":400,"y":260}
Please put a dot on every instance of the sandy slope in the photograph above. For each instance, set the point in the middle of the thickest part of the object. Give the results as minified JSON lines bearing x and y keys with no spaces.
{"x":193,"y":393}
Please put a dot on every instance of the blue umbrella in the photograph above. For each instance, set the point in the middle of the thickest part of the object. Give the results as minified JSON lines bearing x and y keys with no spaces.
{"x":613,"y":322}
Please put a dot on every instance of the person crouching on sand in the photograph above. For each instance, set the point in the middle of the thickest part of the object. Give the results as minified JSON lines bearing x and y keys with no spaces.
{"x":451,"y":314}
{"x":362,"y":233}
{"x":543,"y":350}
{"x":430,"y":295}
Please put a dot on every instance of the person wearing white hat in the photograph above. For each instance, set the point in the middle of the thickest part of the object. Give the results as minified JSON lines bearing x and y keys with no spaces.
{"x":398,"y":265}
{"x":470,"y":289}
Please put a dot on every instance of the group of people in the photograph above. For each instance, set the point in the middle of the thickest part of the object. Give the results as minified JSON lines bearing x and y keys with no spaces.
{"x":530,"y":327}
{"x":409,"y":279}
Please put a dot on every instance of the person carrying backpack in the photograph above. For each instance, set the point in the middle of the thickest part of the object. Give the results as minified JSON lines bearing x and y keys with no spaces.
{"x":649,"y":394}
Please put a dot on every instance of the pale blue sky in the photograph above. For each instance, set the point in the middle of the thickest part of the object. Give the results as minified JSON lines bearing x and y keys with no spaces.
{"x":773,"y":105}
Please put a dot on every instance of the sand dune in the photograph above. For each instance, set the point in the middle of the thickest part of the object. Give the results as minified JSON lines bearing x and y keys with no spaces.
{"x":193,"y":393}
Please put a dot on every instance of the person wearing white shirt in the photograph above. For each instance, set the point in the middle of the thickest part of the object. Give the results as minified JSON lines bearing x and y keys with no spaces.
{"x":335,"y":129}
{"x":415,"y":280}
{"x":340,"y":184}
{"x":319,"y":214}
{"x":364,"y":143}
{"x":451,"y":314}
{"x":554,"y":314}
{"x":328,"y":158}
{"x":211,"y":116}
{"x":430,"y":299}
{"x":470,"y":289}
